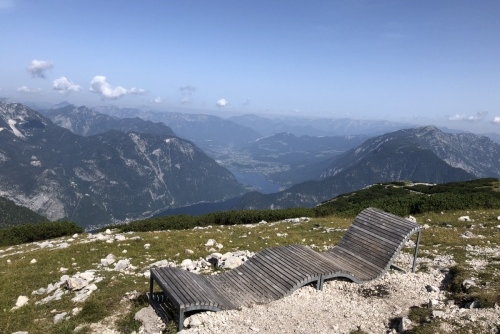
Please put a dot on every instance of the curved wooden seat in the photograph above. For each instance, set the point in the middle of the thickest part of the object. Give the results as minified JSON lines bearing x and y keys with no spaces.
{"x":365,"y":253}
{"x":369,"y":247}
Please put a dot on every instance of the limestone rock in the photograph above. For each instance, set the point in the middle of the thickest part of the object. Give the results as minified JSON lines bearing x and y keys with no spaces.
{"x":122,"y":265}
{"x":59,"y":317}
{"x":76,"y":283}
{"x":21,"y":301}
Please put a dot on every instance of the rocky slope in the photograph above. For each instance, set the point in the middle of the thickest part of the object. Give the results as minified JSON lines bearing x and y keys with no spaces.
{"x":103,"y":178}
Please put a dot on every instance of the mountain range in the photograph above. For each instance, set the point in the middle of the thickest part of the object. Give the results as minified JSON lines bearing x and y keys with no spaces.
{"x":96,"y":168}
{"x":424,"y":154}
{"x":102,"y":178}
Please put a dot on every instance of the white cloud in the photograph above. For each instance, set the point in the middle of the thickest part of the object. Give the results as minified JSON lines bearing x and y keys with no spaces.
{"x":157,"y":100}
{"x":184,"y":100}
{"x":496,"y":120}
{"x":63,"y":85}
{"x":464,"y":118}
{"x":37,"y":68}
{"x":221,"y":103}
{"x":25,"y":89}
{"x":136,"y":91}
{"x":101,"y":86}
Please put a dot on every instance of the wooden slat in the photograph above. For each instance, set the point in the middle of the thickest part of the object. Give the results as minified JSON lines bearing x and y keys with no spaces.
{"x":385,"y":230}
{"x":290,"y":268}
{"x":364,"y":241}
{"x":369,"y":251}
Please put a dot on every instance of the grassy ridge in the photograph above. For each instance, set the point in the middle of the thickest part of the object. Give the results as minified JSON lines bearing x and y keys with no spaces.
{"x":399,"y":198}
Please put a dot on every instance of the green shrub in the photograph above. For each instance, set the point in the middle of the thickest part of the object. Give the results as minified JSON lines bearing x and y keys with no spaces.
{"x":35,"y":232}
{"x":234,"y":217}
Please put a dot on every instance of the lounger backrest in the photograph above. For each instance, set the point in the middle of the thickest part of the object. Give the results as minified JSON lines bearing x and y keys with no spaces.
{"x":375,"y":238}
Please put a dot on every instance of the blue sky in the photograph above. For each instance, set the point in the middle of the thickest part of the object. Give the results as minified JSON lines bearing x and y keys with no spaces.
{"x":429,"y":62}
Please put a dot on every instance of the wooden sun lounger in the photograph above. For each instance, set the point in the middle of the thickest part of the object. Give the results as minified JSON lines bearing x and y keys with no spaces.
{"x":366,"y":252}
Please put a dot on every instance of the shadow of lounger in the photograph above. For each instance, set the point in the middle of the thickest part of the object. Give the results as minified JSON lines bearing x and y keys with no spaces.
{"x":365,"y":253}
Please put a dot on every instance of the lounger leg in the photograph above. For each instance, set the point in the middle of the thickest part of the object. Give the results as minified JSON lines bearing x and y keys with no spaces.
{"x":319,"y":283}
{"x":416,"y":251}
{"x":180,"y":324}
{"x":150,"y":286}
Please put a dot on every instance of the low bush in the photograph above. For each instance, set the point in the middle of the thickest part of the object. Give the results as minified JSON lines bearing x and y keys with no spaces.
{"x":35,"y":232}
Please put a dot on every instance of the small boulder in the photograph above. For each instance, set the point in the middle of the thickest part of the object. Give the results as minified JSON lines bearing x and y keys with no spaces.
{"x":194,"y":321}
{"x":122,"y":264}
{"x":76,"y":283}
{"x":231,"y":262}
{"x":21,"y":301}
{"x":464,"y":219}
{"x":210,"y":243}
{"x":186,"y":263}
{"x":59,"y":317}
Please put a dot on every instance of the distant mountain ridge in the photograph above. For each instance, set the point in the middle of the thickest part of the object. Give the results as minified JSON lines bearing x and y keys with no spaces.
{"x":301,"y":125}
{"x":86,"y":122}
{"x":102,"y":178}
{"x":206,"y":131}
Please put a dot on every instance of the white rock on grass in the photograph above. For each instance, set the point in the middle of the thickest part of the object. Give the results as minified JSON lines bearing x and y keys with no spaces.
{"x":186,"y":263}
{"x":33,"y":261}
{"x":122,"y":265}
{"x":110,"y":259}
{"x":21,"y":301}
{"x":210,"y":243}
{"x":59,"y":317}
{"x":76,"y":283}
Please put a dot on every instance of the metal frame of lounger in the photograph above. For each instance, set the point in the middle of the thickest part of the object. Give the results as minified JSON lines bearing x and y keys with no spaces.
{"x":366,"y":252}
